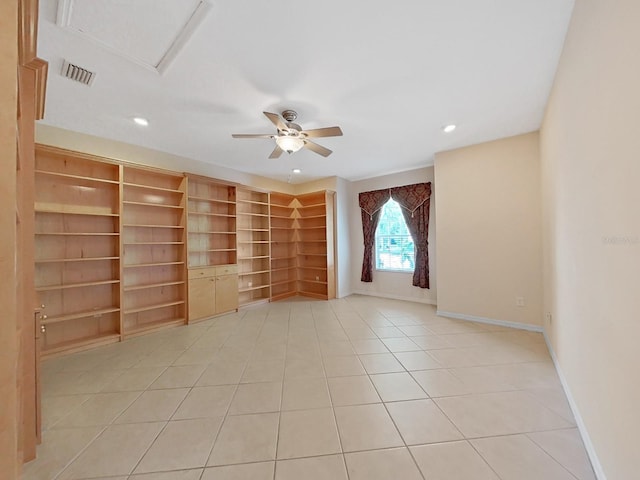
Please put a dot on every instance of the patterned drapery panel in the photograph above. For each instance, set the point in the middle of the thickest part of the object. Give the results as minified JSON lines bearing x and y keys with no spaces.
{"x":415,"y":201}
{"x":370,"y":204}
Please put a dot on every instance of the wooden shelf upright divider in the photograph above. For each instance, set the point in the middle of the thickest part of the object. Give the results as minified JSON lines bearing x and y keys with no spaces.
{"x":77,"y":247}
{"x":254,"y":280}
{"x":153,"y":250}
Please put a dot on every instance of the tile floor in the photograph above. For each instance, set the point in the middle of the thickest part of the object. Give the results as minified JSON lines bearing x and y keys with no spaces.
{"x":357,"y":388}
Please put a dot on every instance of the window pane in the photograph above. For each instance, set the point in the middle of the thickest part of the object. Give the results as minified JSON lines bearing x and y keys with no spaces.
{"x":394,"y":244}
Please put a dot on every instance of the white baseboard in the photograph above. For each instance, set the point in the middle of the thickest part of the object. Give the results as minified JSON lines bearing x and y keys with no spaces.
{"x":490,"y":321}
{"x":586,"y":439}
{"x":426,"y":301}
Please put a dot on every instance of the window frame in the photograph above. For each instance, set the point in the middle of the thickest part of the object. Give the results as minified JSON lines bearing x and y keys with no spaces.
{"x":409,"y":270}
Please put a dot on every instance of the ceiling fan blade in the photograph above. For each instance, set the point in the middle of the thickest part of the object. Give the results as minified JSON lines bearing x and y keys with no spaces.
{"x":323,"y":132}
{"x":277,"y":121}
{"x":252,"y":135}
{"x":276,"y":152}
{"x":319,"y":149}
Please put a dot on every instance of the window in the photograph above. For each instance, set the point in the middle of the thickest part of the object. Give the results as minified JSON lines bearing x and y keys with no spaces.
{"x":394,"y":245}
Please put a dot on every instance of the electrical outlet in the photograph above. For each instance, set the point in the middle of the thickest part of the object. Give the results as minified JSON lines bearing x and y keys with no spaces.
{"x":317,"y":278}
{"x":520,"y":301}
{"x":549,"y":317}
{"x":250,"y":284}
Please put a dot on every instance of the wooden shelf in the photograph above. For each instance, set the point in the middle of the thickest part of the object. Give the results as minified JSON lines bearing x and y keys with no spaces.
{"x":158,"y":264}
{"x":81,"y":344}
{"x":253,"y":258}
{"x":79,"y":234}
{"x":151,"y":285}
{"x":258,"y":272}
{"x":151,"y":188}
{"x":211,"y":200}
{"x":282,"y":282}
{"x":253,"y":229}
{"x":213,"y":214}
{"x":282,"y":269}
{"x":65,"y":260}
{"x":79,"y":210}
{"x":141,"y":225}
{"x":75,"y":285}
{"x":213,"y":250}
{"x":146,"y":204}
{"x":154,"y":307}
{"x":77,"y":177}
{"x":251,"y":289}
{"x":77,"y":315}
{"x":151,"y":326}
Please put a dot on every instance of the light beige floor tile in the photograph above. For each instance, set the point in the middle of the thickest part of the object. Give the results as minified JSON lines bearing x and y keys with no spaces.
{"x":134,"y":380}
{"x":554,"y":399}
{"x":160,"y":358}
{"x":567,"y":448}
{"x":363,"y":347}
{"x":352,"y":391}
{"x":305,"y":433}
{"x":482,"y":379}
{"x":417,"y":360}
{"x":270,"y":351}
{"x":125,"y":445}
{"x":246,"y":438}
{"x":305,"y":393}
{"x":247,"y":471}
{"x":440,"y":383}
{"x":421,"y":421}
{"x":414,"y":331}
{"x":382,"y":465}
{"x":75,"y":383}
{"x":396,"y":345}
{"x":381,"y":363}
{"x":224,"y":373}
{"x":206,"y":402}
{"x":393,"y":387}
{"x":452,"y":461}
{"x":336,"y":348}
{"x":100,"y":409}
{"x":329,"y":467}
{"x":178,"y":377}
{"x":182,"y":444}
{"x":56,"y":407}
{"x":503,"y":413}
{"x":453,"y":357}
{"x":388,"y":332}
{"x":193,"y":474}
{"x":366,"y":427}
{"x":343,"y":366}
{"x":58,"y":448}
{"x":264,"y":371}
{"x":516,"y":457}
{"x":153,"y":406}
{"x":303,"y":368}
{"x":196,"y":356}
{"x":256,"y":398}
{"x":431,"y":342}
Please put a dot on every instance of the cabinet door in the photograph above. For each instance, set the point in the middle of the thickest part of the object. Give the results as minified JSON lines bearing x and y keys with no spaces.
{"x":202,"y":298}
{"x":226,"y":293}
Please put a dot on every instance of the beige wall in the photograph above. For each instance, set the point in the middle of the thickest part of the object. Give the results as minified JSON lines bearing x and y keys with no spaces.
{"x":8,"y":320}
{"x":590,"y":147}
{"x":489,"y":244}
{"x":390,"y":284}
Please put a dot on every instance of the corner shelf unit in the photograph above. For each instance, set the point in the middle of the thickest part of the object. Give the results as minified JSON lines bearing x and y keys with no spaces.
{"x":153,"y":250}
{"x":254,"y":252}
{"x":283,"y":246}
{"x":77,"y":245}
{"x":315,"y":254}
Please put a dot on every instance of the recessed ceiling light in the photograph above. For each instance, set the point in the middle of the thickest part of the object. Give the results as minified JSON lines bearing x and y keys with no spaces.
{"x":296,"y":170}
{"x":143,"y":122}
{"x":449,"y":128}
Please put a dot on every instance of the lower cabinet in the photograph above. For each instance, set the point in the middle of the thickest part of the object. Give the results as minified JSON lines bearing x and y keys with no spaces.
{"x":212,"y":291}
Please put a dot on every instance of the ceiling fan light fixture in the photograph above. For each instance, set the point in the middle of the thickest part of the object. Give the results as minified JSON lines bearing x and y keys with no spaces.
{"x":449,"y":128}
{"x":289,"y":144}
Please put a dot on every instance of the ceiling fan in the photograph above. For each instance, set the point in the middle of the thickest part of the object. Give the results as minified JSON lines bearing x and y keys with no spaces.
{"x":291,"y":138}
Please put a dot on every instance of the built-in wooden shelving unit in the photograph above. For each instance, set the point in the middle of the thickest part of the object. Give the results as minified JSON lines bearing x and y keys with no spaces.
{"x":254,"y":279}
{"x":77,"y":245}
{"x":315,"y":256}
{"x":123,"y":250}
{"x":283,"y":246}
{"x":153,"y":250}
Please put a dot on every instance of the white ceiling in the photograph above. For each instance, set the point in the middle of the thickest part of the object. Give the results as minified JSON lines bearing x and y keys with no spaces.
{"x":389,"y":74}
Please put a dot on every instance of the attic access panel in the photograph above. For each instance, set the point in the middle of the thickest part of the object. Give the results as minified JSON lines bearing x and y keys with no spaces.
{"x":147,"y":32}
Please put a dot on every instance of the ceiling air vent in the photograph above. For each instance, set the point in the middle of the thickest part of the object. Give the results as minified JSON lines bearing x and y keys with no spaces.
{"x":79,"y":74}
